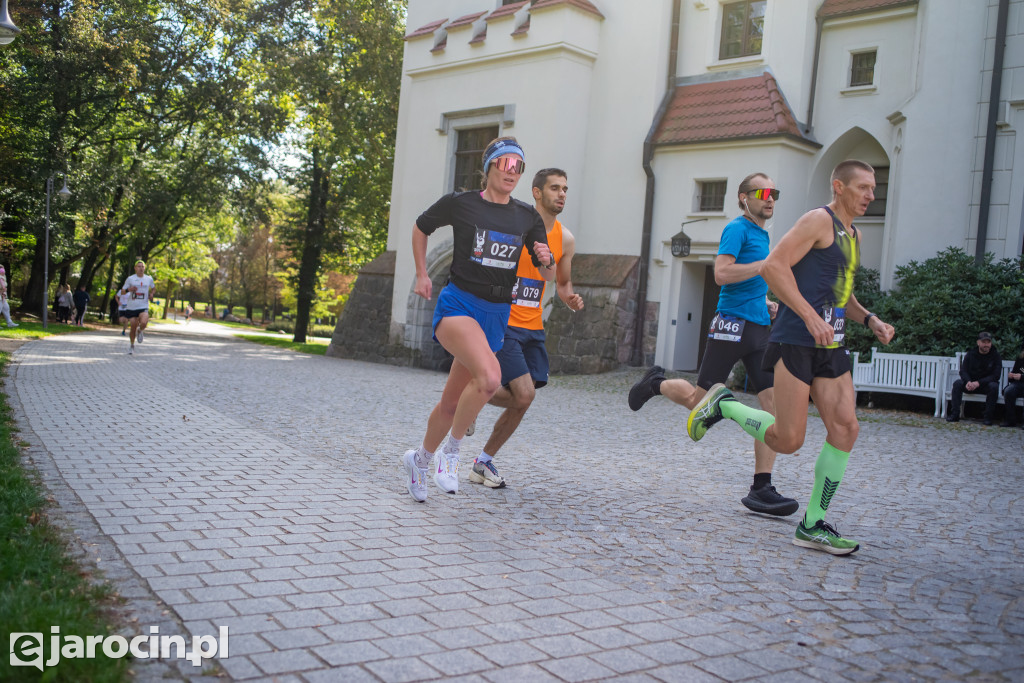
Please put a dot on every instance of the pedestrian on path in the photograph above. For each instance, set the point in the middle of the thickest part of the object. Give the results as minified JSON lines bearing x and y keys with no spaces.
{"x":811,"y":270}
{"x":65,"y":303}
{"x":81,"y":300}
{"x":739,"y":331}
{"x":5,"y":305}
{"x":490,"y":230}
{"x":523,"y":358}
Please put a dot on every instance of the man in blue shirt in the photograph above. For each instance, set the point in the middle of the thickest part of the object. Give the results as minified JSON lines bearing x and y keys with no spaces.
{"x":738,"y":332}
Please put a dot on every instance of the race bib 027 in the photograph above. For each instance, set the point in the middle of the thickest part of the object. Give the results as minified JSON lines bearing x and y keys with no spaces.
{"x":496,"y":249}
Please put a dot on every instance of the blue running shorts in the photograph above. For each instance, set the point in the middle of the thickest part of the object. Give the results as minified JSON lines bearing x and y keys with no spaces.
{"x":492,"y":317}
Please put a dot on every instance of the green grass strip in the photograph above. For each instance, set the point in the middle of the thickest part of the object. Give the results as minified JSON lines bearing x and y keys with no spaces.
{"x":33,"y":330}
{"x":40,"y":586}
{"x":317,"y":348}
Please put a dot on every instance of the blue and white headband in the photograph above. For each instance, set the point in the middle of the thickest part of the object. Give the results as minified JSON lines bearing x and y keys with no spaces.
{"x":501,"y":148}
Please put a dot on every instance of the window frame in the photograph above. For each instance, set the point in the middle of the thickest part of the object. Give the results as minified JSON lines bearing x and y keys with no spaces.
{"x":700,"y":195}
{"x":745,"y":51}
{"x":473,"y":155}
{"x":854,"y":54}
{"x":883,"y":185}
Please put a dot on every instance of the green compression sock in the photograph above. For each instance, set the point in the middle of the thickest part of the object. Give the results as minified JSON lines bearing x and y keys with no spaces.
{"x":828,"y":472}
{"x":753,"y":421}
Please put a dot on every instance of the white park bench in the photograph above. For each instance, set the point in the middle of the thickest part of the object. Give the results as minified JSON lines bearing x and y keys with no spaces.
{"x":953,"y":374}
{"x":902,"y":373}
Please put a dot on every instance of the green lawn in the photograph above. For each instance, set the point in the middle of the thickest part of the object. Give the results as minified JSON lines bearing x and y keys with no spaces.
{"x":40,"y":586}
{"x":28,"y":329}
{"x":315,"y":347}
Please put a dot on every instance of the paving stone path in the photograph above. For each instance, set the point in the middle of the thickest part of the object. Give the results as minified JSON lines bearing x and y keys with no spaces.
{"x":222,"y":483}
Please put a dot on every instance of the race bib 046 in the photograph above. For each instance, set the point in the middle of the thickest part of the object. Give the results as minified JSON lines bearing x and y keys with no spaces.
{"x":726,"y":328}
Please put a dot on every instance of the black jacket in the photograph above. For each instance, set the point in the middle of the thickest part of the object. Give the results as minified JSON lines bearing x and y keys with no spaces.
{"x":81,"y":298}
{"x":976,"y":367}
{"x":1018,"y":368}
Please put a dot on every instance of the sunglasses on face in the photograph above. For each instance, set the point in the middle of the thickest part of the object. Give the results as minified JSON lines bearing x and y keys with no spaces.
{"x":764,"y":193}
{"x":510,"y":164}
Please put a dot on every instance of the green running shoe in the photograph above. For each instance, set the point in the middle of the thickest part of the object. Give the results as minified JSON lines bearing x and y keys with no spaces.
{"x":823,"y":536}
{"x":707,"y":413}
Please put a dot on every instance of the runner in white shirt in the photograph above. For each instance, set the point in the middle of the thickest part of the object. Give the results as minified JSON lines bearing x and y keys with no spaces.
{"x":140,"y":288}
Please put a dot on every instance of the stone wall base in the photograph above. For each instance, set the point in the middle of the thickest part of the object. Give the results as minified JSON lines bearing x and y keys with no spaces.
{"x":597,"y":339}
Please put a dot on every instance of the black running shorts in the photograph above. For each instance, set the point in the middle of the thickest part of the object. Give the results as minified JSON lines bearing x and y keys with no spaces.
{"x":720,"y":356}
{"x":807,"y":362}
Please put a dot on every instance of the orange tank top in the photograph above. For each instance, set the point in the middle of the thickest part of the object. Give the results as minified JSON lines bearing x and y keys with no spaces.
{"x":528,"y":292}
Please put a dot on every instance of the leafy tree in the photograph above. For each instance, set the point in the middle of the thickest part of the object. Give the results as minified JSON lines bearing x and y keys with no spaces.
{"x":342,"y":62}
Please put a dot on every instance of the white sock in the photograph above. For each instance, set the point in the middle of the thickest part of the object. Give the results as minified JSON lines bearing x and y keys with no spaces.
{"x":483,"y":458}
{"x":453,"y":444}
{"x":423,"y":457}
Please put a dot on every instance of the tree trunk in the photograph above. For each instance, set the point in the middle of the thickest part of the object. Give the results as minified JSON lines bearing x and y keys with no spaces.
{"x":212,"y":282}
{"x":105,"y":308}
{"x":312,"y":247}
{"x":32,"y":298}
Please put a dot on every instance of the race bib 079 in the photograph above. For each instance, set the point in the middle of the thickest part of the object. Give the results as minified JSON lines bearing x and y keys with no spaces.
{"x":496,"y":249}
{"x":527,"y":292}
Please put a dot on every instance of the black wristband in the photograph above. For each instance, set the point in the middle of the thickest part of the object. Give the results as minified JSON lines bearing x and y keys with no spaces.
{"x":868,"y":317}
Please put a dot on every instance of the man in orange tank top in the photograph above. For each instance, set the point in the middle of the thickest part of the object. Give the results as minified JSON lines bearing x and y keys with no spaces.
{"x":523,"y":357}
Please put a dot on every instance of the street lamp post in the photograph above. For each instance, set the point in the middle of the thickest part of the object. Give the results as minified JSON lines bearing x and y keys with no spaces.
{"x":8,"y":31}
{"x":63,"y":193}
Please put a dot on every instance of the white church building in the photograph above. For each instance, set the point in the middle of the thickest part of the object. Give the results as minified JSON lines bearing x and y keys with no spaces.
{"x":657,"y":109}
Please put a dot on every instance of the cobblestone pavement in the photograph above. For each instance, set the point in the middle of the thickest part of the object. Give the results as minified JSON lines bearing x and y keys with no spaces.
{"x":259,"y":489}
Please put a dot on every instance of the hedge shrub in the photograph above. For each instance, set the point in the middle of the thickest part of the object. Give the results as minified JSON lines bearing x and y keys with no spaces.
{"x":939,"y":306}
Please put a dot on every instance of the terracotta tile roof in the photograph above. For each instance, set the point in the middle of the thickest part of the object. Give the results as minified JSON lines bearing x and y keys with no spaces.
{"x":507,"y":10}
{"x":465,"y":21}
{"x":734,"y":109}
{"x":480,"y":37}
{"x":584,"y":5}
{"x":523,"y":28}
{"x":426,"y":30}
{"x":839,"y":8}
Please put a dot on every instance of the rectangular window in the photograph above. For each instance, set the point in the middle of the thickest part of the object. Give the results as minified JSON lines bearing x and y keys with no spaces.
{"x":742,"y":29}
{"x":877,"y":207}
{"x":862,"y":68}
{"x":712,"y":195}
{"x":469,"y":148}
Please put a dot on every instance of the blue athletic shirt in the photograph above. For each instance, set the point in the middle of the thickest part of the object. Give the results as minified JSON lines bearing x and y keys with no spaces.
{"x":748,"y":242}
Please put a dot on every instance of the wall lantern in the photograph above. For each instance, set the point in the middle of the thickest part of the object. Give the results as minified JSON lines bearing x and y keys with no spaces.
{"x":681,"y":242}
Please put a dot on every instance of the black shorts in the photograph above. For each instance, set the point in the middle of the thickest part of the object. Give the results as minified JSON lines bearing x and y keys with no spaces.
{"x":134,"y":312}
{"x":720,"y":356}
{"x":807,"y":362}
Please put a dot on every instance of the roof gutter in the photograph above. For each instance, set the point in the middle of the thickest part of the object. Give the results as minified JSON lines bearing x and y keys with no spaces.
{"x":990,"y":135}
{"x":814,"y":73}
{"x":637,"y":355}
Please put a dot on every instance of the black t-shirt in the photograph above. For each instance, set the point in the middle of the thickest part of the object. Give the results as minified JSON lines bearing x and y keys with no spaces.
{"x":489,"y":238}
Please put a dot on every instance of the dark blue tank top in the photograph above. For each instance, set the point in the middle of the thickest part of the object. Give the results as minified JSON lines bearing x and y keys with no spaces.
{"x":825,"y":280}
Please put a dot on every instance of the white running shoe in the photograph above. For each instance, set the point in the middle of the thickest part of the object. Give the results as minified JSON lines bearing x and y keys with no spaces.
{"x":415,"y":477}
{"x":12,"y":324}
{"x":446,"y":471}
{"x":131,"y":350}
{"x":139,"y":337}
